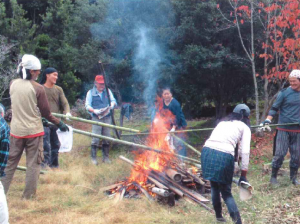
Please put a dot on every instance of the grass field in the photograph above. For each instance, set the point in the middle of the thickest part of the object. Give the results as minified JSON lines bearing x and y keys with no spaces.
{"x":71,"y":194}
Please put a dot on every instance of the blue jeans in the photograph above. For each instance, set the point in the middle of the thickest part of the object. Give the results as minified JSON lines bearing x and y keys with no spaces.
{"x":51,"y":147}
{"x":225,"y":190}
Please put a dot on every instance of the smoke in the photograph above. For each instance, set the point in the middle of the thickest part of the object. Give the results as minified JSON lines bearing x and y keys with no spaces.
{"x":137,"y":31}
{"x":147,"y":60}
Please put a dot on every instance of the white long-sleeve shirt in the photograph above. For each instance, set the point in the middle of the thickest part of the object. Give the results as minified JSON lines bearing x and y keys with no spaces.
{"x":227,"y":135}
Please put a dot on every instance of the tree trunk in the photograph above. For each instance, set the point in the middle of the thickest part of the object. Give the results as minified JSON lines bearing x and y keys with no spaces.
{"x":253,"y":68}
{"x":220,"y":109}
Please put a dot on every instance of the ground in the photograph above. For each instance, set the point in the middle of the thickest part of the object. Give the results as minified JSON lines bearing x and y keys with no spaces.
{"x":71,"y":194}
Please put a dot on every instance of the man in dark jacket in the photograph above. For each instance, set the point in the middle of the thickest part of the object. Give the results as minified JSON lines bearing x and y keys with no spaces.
{"x":288,"y":137}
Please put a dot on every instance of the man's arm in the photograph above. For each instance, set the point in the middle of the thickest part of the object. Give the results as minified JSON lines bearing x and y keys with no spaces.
{"x":113,"y":101}
{"x":88,"y":102}
{"x":63,"y":101}
{"x":276,"y":106}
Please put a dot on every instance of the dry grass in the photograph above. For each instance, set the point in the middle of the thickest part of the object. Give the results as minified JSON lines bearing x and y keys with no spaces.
{"x":71,"y":195}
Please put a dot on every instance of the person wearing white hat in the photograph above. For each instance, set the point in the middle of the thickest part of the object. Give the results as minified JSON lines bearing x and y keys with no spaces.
{"x":287,"y":137}
{"x":29,"y":104}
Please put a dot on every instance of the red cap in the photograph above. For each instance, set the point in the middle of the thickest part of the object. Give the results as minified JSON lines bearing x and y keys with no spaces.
{"x":99,"y":79}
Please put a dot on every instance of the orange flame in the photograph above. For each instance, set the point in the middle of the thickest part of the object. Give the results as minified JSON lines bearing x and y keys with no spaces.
{"x":149,"y":160}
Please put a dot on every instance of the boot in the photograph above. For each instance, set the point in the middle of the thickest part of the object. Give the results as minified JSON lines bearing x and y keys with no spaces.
{"x":273,"y":179}
{"x":105,"y":152}
{"x":94,"y":155}
{"x":293,"y":176}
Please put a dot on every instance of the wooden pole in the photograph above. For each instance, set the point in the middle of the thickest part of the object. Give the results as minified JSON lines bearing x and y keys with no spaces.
{"x":186,"y":144}
{"x":95,"y":122}
{"x":132,"y":144}
{"x":23,"y":168}
{"x":108,"y":97}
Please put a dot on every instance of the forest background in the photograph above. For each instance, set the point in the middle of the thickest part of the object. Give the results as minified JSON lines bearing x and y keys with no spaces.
{"x":213,"y":53}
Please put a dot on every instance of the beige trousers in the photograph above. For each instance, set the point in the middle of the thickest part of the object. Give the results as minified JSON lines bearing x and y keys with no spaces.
{"x":34,"y":156}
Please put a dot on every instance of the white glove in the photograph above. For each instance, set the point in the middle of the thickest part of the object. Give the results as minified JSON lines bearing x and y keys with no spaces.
{"x":173,"y":129}
{"x":68,"y":115}
{"x":97,"y":111}
{"x":264,"y":127}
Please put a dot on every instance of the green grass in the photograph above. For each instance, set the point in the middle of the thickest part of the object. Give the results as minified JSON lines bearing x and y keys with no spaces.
{"x":71,"y":193}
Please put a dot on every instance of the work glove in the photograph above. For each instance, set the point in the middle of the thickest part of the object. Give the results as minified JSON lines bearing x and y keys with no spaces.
{"x":266,"y":122}
{"x":97,"y":111}
{"x":68,"y":115}
{"x":264,"y":126}
{"x":45,"y":122}
{"x":173,"y":129}
{"x":243,"y":177}
{"x":63,"y":127}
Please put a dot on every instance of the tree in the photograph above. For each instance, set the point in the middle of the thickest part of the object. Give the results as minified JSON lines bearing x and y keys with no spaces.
{"x":7,"y":69}
{"x":282,"y":44}
{"x":242,"y":12}
{"x":211,"y":69}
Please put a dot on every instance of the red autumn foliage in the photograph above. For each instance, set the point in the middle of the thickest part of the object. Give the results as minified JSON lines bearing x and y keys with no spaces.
{"x":285,"y":38}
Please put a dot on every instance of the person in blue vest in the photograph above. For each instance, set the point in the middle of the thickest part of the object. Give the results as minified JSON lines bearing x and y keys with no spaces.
{"x":97,"y":105}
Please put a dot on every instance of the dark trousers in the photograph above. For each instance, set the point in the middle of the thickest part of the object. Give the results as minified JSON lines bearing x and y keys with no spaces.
{"x":225,"y":190}
{"x":51,"y":147}
{"x":287,"y":141}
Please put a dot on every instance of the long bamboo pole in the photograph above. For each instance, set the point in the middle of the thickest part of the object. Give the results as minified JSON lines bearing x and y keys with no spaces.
{"x":95,"y":122}
{"x":132,"y":144}
{"x":187,"y":145}
{"x":202,"y":129}
{"x":24,"y":168}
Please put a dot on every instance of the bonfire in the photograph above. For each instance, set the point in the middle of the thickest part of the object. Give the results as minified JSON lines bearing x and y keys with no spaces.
{"x":161,"y":176}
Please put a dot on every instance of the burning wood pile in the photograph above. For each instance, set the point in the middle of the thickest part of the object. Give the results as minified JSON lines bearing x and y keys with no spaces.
{"x":161,"y":176}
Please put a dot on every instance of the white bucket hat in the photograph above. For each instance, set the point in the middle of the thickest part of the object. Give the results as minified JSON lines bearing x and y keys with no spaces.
{"x":295,"y":74}
{"x":29,"y":62}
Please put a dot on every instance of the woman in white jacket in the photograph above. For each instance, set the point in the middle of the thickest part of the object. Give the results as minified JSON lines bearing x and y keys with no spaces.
{"x":217,"y":159}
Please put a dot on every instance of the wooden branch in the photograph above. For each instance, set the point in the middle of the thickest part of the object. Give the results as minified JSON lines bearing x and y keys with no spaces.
{"x":110,"y":187}
{"x":148,"y":196}
{"x":157,"y":183}
{"x":186,"y":191}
